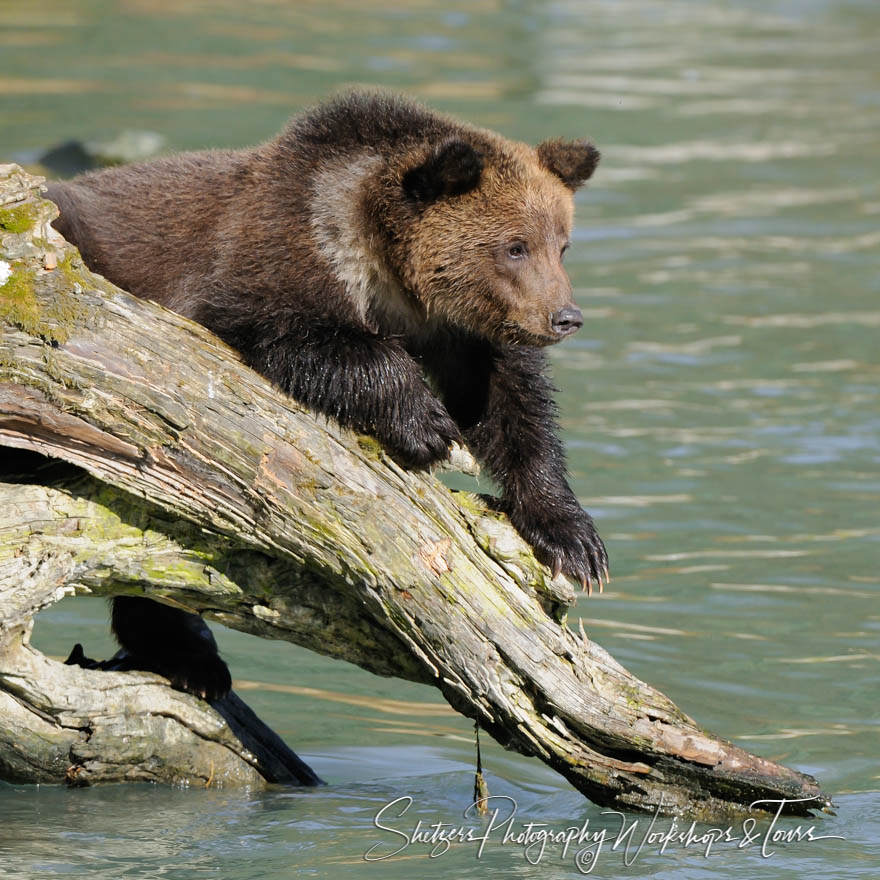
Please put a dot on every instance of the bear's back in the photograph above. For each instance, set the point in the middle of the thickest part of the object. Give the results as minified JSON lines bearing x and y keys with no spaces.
{"x":365,"y":121}
{"x":145,"y":226}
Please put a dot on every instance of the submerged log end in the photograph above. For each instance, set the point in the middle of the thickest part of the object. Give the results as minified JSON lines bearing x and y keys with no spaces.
{"x":67,"y":725}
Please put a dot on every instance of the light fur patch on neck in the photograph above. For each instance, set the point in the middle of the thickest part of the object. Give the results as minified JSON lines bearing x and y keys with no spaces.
{"x":344,"y":240}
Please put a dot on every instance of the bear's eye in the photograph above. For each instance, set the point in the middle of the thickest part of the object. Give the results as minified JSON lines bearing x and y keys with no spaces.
{"x":563,"y":250}
{"x":516,"y":251}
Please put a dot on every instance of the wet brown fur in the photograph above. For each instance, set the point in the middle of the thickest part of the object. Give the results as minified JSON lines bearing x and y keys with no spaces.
{"x":366,"y":248}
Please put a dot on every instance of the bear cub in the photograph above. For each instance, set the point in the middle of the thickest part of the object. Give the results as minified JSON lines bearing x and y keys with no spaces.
{"x":390,"y":267}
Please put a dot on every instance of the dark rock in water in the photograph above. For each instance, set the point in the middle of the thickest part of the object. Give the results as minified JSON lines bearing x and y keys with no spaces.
{"x":72,"y":157}
{"x":68,"y":159}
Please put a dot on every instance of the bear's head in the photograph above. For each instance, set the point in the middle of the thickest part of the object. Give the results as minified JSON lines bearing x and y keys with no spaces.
{"x":491,"y":221}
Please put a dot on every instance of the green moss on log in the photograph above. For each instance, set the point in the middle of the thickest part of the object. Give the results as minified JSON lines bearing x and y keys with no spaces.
{"x":19,"y":305}
{"x":52,"y":313}
{"x":18,"y":219}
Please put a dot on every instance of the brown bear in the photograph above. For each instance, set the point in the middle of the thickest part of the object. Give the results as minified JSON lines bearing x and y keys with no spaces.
{"x":385,"y":265}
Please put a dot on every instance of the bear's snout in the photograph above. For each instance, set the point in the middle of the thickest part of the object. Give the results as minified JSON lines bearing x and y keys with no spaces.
{"x":566,"y":321}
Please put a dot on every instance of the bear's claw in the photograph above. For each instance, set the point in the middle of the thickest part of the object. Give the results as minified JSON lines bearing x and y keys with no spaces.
{"x":568,"y":545}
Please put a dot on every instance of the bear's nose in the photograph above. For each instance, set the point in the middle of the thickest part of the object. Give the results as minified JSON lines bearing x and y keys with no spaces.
{"x":567,"y":321}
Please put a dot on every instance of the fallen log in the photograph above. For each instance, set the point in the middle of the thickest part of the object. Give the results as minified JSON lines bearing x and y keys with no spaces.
{"x":198,"y":484}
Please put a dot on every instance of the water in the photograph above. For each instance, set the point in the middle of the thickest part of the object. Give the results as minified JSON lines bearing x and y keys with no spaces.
{"x":720,"y":408}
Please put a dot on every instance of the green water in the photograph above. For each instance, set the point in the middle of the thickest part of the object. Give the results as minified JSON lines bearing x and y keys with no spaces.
{"x":720,"y":407}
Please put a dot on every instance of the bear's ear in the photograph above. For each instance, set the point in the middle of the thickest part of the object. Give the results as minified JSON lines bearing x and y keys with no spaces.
{"x":453,"y":168}
{"x":573,"y":162}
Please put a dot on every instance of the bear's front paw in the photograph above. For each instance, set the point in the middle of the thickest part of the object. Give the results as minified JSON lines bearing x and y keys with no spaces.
{"x":425,"y":440}
{"x":568,"y":544}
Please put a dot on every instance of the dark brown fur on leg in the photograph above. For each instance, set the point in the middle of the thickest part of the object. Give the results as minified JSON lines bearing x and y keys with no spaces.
{"x":362,"y":379}
{"x":502,"y":399}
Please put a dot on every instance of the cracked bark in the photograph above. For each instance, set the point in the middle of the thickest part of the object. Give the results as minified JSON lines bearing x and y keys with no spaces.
{"x":199,"y":484}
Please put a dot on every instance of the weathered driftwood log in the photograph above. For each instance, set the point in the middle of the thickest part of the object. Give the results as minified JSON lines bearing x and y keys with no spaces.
{"x":205,"y":487}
